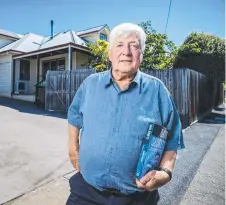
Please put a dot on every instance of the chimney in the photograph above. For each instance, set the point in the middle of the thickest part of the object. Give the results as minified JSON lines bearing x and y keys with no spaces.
{"x":51,"y":29}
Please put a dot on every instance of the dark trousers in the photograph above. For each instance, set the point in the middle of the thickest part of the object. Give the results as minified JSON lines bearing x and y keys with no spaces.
{"x":84,"y":194}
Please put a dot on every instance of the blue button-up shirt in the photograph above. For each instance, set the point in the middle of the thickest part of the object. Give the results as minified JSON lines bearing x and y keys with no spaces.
{"x":114,"y":123}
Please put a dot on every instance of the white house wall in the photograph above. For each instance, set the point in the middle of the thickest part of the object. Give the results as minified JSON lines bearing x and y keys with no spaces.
{"x":91,"y":37}
{"x":74,"y":54}
{"x":81,"y":59}
{"x":5,"y":75}
{"x":104,"y":31}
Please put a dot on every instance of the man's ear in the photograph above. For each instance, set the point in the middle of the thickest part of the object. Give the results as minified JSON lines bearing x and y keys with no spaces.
{"x":141,"y":57}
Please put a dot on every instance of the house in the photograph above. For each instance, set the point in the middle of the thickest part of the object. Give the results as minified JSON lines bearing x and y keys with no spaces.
{"x":25,"y":59}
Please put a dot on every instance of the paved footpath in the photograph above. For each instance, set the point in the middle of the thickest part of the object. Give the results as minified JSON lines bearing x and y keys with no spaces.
{"x":208,"y":186}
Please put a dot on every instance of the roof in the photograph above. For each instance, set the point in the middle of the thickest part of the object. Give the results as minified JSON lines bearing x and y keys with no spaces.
{"x":62,"y":38}
{"x":91,"y":30}
{"x":27,"y":43}
{"x":32,"y":42}
{"x":10,"y":34}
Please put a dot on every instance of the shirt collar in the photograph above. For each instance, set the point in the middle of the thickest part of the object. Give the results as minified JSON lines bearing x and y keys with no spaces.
{"x":109,"y":79}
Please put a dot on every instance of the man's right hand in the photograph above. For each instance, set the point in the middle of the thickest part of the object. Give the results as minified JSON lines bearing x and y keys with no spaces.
{"x":73,"y":146}
{"x":74,"y":157}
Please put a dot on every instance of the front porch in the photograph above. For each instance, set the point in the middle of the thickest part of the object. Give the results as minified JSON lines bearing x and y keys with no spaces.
{"x":27,"y":97}
{"x":29,"y":70}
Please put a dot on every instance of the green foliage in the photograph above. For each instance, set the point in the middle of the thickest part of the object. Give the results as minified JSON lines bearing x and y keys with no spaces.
{"x":203,"y":43}
{"x":204,"y":53}
{"x":160,"y":52}
{"x":99,"y":59}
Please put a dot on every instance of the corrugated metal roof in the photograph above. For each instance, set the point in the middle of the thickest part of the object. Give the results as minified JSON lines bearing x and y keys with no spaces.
{"x":90,"y":30}
{"x":10,"y":34}
{"x":62,"y":38}
{"x":27,"y":43}
{"x":32,"y":42}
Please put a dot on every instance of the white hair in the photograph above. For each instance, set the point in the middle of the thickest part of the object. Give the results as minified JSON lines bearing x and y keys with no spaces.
{"x":126,"y":29}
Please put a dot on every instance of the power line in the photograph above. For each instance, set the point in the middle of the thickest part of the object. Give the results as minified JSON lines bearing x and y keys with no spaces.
{"x":168,"y":15}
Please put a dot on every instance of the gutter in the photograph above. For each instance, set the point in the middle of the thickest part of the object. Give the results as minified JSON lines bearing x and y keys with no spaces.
{"x":13,"y":38}
{"x":54,"y":48}
{"x":8,"y":52}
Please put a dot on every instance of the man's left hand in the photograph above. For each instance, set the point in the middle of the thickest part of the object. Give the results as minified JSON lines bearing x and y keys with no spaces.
{"x":153,"y":180}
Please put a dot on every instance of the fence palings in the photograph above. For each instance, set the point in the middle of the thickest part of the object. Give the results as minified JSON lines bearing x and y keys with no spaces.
{"x":192,"y":92}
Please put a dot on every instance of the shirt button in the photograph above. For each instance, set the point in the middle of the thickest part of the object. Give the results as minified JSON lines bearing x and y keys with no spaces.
{"x":114,"y":129}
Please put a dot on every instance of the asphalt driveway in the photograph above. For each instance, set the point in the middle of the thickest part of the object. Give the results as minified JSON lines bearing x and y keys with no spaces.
{"x":33,"y":147}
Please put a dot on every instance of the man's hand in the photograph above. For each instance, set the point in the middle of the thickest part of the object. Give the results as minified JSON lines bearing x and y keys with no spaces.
{"x":74,"y":156}
{"x":73,"y":146}
{"x":153,"y":180}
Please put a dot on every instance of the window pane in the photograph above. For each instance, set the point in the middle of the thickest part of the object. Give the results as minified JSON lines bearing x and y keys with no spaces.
{"x":61,"y":64}
{"x":103,"y":37}
{"x":53,"y":65}
{"x":24,"y":70}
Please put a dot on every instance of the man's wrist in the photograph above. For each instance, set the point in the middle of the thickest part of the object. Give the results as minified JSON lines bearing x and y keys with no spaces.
{"x":166,"y":171}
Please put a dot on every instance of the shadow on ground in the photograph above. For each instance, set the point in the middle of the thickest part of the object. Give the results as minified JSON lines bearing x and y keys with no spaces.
{"x":214,"y":117}
{"x":29,"y":107}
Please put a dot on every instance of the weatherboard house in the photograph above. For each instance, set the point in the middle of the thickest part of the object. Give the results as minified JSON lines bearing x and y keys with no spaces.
{"x":25,"y":59}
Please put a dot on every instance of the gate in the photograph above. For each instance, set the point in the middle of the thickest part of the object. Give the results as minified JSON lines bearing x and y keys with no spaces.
{"x":61,"y":86}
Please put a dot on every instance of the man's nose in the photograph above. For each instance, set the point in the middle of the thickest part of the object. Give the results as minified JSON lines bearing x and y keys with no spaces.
{"x":126,"y":50}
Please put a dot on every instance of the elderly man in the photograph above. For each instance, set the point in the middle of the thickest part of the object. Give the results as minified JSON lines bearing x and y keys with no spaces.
{"x":113,"y":110}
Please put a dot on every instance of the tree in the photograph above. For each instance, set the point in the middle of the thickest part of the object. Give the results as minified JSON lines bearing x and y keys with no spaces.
{"x":204,"y":53}
{"x":99,"y":55}
{"x":160,"y":52}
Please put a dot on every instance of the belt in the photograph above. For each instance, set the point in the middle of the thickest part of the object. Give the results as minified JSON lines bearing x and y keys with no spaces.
{"x":114,"y":192}
{"x":107,"y":191}
{"x":117,"y":192}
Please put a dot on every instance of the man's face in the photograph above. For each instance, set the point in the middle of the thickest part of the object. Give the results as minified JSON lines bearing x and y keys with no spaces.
{"x":125,"y":54}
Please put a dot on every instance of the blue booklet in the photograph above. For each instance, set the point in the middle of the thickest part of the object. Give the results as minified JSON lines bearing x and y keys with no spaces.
{"x":152,"y":150}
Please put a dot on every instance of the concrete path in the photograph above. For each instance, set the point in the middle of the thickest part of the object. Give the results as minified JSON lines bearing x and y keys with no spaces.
{"x":208,"y":186}
{"x":33,"y":147}
{"x":198,"y":140}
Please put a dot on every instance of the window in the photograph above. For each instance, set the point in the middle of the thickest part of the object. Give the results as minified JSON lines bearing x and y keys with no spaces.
{"x":55,"y":64}
{"x":103,"y":37}
{"x":25,"y":70}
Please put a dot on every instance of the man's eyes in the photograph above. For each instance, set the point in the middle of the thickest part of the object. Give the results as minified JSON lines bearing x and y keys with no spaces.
{"x":134,"y":46}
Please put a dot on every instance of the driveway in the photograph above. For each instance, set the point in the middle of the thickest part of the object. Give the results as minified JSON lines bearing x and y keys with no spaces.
{"x":33,"y":147}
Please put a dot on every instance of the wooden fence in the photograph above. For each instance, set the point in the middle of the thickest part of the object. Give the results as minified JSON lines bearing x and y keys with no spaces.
{"x":61,"y":87}
{"x":192,"y":92}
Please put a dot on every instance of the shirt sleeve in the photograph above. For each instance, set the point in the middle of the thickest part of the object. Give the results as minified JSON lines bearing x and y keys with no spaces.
{"x":172,"y":121}
{"x":74,"y":111}
{"x":174,"y":127}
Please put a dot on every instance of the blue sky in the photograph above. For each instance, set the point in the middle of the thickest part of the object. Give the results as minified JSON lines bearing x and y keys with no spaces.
{"x":24,"y":16}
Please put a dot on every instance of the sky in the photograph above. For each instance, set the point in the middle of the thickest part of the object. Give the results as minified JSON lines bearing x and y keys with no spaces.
{"x":34,"y":16}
